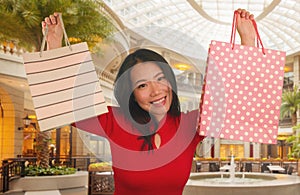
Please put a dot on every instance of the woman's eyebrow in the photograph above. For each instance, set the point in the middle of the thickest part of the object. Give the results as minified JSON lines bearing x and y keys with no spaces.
{"x":145,"y":80}
{"x":158,"y":74}
{"x":139,"y":81}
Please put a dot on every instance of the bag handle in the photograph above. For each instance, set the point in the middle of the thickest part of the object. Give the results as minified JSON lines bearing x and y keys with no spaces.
{"x":233,"y":32}
{"x":67,"y":42}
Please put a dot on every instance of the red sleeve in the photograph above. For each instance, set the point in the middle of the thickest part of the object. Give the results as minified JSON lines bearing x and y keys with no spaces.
{"x":194,"y":116}
{"x":100,"y":125}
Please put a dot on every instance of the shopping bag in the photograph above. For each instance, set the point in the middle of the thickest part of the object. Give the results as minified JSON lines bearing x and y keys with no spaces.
{"x":64,"y":85}
{"x":242,"y":91}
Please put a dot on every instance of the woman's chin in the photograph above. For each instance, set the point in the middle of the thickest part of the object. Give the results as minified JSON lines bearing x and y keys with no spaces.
{"x":159,"y":114}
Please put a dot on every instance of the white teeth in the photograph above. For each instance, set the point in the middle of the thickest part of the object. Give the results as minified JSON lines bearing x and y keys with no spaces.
{"x":159,"y":101}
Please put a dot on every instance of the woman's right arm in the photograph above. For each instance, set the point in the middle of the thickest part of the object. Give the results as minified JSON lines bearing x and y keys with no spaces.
{"x":93,"y":125}
{"x":55,"y":31}
{"x":102,"y":125}
{"x":98,"y":124}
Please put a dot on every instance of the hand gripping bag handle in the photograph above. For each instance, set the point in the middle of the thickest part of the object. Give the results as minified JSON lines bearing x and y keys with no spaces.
{"x":233,"y":32}
{"x":67,"y":42}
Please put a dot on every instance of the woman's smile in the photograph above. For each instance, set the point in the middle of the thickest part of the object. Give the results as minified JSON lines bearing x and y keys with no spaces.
{"x":161,"y":101}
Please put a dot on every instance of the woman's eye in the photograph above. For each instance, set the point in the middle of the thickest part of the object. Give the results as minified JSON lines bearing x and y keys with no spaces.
{"x":162,"y":78}
{"x":141,"y":86}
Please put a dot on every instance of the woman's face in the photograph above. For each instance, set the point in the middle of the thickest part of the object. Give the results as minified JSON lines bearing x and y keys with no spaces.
{"x":152,"y":91}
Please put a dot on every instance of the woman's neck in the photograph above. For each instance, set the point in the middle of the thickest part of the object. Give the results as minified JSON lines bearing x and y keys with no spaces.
{"x":159,"y":117}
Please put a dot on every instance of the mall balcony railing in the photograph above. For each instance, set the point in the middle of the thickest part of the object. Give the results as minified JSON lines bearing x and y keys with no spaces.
{"x":285,"y":122}
{"x":288,"y":83}
{"x":244,"y":164}
{"x":11,"y":48}
{"x":14,"y":168}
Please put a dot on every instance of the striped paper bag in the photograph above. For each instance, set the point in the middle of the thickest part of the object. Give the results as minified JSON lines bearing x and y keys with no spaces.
{"x":64,"y":86}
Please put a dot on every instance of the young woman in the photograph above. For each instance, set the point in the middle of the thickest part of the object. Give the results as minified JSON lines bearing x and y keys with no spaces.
{"x":152,"y":141}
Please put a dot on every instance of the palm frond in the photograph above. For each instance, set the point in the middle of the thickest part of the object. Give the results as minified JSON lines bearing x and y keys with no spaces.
{"x":82,"y":20}
{"x":290,"y":102}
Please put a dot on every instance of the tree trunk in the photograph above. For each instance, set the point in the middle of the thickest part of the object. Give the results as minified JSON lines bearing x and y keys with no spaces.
{"x":296,"y":131}
{"x":294,"y":119}
{"x":298,"y":172}
{"x":43,"y":139}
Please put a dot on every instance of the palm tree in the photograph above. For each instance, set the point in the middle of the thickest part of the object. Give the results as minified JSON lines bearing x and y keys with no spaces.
{"x":294,"y":141}
{"x":84,"y":21}
{"x":290,"y":104}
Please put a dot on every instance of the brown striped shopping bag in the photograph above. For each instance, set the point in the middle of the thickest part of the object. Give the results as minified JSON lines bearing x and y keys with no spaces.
{"x":64,"y":85}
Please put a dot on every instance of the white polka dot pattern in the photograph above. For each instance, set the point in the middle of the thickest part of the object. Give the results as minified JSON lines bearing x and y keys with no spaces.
{"x":242,"y":93}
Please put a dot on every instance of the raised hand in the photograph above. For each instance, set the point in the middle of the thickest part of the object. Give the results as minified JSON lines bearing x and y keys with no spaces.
{"x":245,"y":27}
{"x":55,"y":31}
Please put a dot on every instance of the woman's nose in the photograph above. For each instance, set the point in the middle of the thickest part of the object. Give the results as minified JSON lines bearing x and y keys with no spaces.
{"x":155,"y":88}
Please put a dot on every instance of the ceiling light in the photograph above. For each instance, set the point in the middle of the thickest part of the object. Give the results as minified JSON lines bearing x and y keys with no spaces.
{"x":182,"y":66}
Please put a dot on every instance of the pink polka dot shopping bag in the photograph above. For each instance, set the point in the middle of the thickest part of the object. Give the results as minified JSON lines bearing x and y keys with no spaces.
{"x":242,"y":91}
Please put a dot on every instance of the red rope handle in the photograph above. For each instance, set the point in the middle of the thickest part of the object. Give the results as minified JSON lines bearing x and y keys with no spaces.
{"x":233,"y":32}
{"x":233,"y":29}
{"x":258,"y":39}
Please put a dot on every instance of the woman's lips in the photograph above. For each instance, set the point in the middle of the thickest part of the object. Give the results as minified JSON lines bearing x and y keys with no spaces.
{"x":159,"y":102}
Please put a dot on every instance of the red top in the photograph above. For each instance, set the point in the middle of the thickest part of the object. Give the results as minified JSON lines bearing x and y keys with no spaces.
{"x":161,"y":171}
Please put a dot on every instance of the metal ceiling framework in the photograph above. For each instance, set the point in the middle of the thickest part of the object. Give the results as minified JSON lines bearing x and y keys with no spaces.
{"x":200,"y":21}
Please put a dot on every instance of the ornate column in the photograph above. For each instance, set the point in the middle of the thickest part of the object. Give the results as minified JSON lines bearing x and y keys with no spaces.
{"x":256,"y":150}
{"x":206,"y":147}
{"x":296,"y":67}
{"x":246,"y":149}
{"x":217,"y":147}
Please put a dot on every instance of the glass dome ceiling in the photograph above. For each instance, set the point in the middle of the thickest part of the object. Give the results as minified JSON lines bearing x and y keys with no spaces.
{"x":188,"y":26}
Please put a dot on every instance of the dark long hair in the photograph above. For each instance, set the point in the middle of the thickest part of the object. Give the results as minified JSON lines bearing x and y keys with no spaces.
{"x":123,"y":92}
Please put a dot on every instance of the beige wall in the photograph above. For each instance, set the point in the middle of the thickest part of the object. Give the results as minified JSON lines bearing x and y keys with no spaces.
{"x":11,"y":138}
